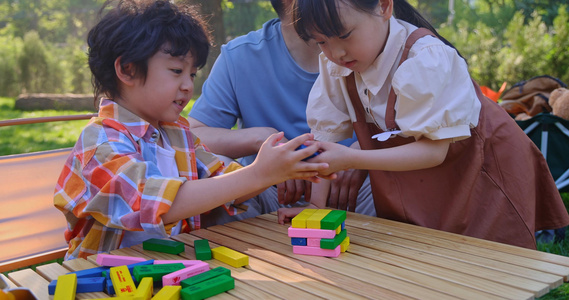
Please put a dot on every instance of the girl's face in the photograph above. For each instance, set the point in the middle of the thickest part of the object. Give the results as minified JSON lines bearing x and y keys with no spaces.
{"x":361,"y":43}
{"x":168,"y":88}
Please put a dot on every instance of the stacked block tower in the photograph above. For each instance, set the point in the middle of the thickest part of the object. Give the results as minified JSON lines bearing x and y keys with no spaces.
{"x":319,"y":232}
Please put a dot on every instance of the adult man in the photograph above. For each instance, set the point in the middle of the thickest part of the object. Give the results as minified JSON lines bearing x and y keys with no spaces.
{"x":262,"y":80}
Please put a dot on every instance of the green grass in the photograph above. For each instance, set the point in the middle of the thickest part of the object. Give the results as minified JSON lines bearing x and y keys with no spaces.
{"x":41,"y":136}
{"x":55,"y":135}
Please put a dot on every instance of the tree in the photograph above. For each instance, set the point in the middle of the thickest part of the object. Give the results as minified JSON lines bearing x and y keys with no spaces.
{"x":212,"y":11}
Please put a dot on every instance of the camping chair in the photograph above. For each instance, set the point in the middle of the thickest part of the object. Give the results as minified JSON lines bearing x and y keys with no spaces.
{"x":31,"y":228}
{"x":551,"y":135}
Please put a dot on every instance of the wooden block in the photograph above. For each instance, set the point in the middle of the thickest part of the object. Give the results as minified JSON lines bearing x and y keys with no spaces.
{"x":313,"y":242}
{"x":66,"y":287}
{"x":298,"y":241}
{"x":314,"y":220}
{"x":205,"y":276}
{"x":174,"y":278}
{"x":155,"y":271}
{"x":122,"y":281}
{"x":202,"y":249}
{"x":144,"y":289}
{"x":335,"y":242}
{"x":169,"y":292}
{"x":84,"y":285}
{"x":230,"y":257}
{"x":316,"y":251}
{"x":185,"y":262}
{"x":208,"y":288}
{"x":333,"y":219}
{"x":92,"y":272}
{"x":299,"y":221}
{"x":345,"y":244}
{"x":109,"y":260}
{"x":164,"y":246}
{"x":311,"y":233}
{"x":109,"y":288}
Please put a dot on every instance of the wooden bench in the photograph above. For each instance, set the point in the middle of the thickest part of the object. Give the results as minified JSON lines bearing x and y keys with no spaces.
{"x":31,"y":228}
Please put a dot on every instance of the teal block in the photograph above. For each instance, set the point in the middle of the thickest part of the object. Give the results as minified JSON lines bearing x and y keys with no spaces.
{"x":333,"y":243}
{"x":165,"y":246}
{"x":205,"y":276}
{"x":333,"y":219}
{"x":202,"y":249}
{"x":208,"y":288}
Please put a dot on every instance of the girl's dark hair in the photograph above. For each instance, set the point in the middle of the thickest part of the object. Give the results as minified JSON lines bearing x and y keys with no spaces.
{"x":278,"y":7}
{"x":135,"y":31}
{"x":321,"y":16}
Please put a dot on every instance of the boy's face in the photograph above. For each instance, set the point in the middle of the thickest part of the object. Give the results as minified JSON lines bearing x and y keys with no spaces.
{"x":168,"y":88}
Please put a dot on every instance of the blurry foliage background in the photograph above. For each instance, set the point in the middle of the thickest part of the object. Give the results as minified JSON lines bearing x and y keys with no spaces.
{"x":42,"y":43}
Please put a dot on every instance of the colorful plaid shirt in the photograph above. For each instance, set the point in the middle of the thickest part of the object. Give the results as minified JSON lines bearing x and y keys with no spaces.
{"x":111,"y":183}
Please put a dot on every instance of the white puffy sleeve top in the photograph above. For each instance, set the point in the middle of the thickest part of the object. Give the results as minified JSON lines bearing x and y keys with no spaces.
{"x":435,"y":96}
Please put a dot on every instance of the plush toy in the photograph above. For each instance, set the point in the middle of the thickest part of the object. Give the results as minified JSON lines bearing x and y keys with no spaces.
{"x":559,"y":101}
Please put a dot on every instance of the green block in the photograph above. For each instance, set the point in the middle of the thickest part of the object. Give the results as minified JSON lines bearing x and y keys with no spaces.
{"x":165,"y":246}
{"x":333,"y":243}
{"x":333,"y":219}
{"x":202,"y":249}
{"x":205,"y":276}
{"x":155,"y":271}
{"x":208,"y":288}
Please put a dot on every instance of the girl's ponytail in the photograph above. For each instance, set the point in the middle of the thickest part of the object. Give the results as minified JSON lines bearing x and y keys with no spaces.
{"x":404,"y":11}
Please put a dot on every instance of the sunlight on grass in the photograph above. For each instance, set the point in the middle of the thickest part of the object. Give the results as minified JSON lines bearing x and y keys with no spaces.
{"x":39,"y":137}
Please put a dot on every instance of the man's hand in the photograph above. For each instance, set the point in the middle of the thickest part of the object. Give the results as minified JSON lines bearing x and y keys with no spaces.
{"x":345,"y":188}
{"x":290,"y":191}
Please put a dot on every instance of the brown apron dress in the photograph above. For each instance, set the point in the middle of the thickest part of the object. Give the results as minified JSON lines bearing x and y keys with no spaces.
{"x":495,"y":185}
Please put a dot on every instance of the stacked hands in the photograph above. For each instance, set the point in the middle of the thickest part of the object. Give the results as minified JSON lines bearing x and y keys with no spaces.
{"x":304,"y":158}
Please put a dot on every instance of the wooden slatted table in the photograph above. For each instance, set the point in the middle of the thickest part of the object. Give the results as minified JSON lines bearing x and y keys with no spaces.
{"x":386,"y":260}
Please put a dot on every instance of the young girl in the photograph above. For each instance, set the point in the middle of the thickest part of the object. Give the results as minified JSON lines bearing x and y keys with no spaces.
{"x":134,"y":171}
{"x":447,"y":157}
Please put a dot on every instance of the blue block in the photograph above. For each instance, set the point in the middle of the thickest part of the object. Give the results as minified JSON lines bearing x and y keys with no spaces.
{"x":93,"y":272}
{"x":296,"y":241}
{"x":90,"y":285}
{"x":84,"y":285}
{"x":109,"y":287}
{"x":343,"y":225}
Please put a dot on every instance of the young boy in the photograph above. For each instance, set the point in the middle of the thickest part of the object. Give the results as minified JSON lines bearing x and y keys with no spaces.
{"x":134,"y":171}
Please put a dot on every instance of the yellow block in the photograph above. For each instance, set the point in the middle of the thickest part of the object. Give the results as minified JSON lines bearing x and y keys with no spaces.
{"x":66,"y":287}
{"x":314,"y":220}
{"x":144,"y":289}
{"x":168,"y":292}
{"x":345,"y":244}
{"x":6,"y":296}
{"x":300,"y":220}
{"x":122,"y":281}
{"x":230,"y":256}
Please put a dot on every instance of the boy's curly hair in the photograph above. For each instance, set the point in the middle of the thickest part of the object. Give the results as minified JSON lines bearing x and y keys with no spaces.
{"x":135,"y":30}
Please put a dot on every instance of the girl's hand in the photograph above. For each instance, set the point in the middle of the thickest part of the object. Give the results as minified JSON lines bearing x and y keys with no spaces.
{"x":280,"y":162}
{"x":336,"y":155}
{"x":286,"y":214}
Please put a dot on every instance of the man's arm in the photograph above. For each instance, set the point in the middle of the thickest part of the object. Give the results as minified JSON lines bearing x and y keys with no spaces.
{"x":231,"y":143}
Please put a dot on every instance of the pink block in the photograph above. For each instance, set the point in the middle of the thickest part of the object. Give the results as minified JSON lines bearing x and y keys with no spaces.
{"x":317,"y":251}
{"x":109,"y":260}
{"x":185,"y":262}
{"x":311,"y":233}
{"x":174,"y":278}
{"x":313,"y":242}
